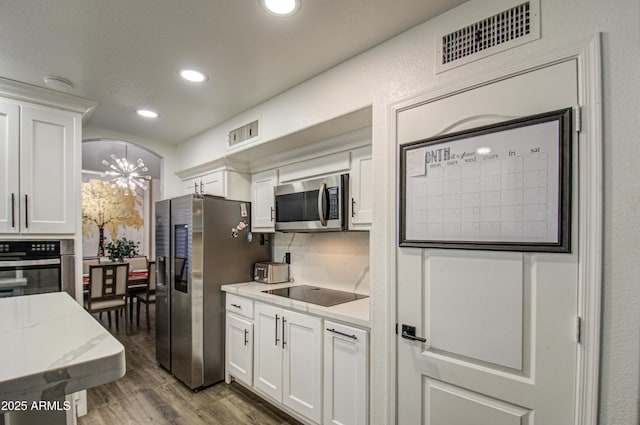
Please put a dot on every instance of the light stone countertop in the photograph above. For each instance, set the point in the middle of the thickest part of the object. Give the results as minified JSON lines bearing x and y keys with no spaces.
{"x":51,"y":347}
{"x":352,"y":312}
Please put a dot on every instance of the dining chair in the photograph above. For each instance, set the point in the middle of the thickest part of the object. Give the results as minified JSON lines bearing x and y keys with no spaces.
{"x":138,"y":276}
{"x":86,"y":262}
{"x":138,"y":263}
{"x":149,"y":296}
{"x":107,"y":290}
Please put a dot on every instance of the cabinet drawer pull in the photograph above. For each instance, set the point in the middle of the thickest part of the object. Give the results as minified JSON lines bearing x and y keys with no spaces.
{"x":342,"y":333}
{"x":271,"y":215}
{"x":236,"y":306}
{"x":246,"y":340}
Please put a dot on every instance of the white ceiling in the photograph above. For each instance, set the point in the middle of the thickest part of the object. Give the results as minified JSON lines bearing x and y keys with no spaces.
{"x":94,"y":151}
{"x":125,"y":54}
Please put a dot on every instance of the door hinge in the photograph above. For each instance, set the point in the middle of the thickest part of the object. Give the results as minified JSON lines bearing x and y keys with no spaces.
{"x":578,"y":329}
{"x":578,"y":120}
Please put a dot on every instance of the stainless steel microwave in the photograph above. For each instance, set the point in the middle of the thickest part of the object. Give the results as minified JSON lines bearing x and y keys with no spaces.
{"x":318,"y":205}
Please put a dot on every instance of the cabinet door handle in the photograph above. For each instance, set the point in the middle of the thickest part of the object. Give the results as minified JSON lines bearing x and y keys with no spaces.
{"x":246,"y":340}
{"x":13,"y":210}
{"x":26,"y":211}
{"x":271,"y":214}
{"x":236,"y":306}
{"x":342,"y":333}
{"x":201,"y":187}
{"x":277,"y":318}
{"x":353,"y":207}
{"x":195,"y":187}
{"x":283,"y":341}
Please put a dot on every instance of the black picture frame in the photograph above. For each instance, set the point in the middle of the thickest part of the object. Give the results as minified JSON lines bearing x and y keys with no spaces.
{"x":458,"y":156}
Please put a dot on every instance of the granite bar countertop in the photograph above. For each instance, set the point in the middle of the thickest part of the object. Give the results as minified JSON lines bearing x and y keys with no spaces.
{"x":352,"y":312}
{"x":51,"y":346}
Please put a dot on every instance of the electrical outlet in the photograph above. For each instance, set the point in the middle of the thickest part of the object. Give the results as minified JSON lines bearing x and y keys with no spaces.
{"x":287,"y":257}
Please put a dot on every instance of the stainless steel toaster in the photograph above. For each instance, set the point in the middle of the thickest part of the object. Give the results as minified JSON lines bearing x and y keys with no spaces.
{"x":271,"y":272}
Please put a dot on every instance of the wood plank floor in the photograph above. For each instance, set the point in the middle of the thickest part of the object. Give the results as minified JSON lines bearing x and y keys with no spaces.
{"x":148,"y":394}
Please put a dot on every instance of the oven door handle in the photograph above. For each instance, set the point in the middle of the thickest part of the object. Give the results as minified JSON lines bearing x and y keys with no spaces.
{"x":30,"y":263}
{"x":323,"y":219}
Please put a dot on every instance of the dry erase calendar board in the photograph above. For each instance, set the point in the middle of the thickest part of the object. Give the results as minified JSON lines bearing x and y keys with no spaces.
{"x":498,"y":187}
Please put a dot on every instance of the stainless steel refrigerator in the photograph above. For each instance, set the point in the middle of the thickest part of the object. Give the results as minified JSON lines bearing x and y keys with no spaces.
{"x":196,"y":253}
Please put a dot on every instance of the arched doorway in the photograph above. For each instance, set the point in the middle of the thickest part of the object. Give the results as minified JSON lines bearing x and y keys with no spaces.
{"x":130,"y":212}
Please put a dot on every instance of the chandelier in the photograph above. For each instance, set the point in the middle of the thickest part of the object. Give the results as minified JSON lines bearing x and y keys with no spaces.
{"x":126,"y":175}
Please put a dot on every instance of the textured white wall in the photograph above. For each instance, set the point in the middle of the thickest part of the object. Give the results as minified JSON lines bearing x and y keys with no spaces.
{"x":405,"y":65}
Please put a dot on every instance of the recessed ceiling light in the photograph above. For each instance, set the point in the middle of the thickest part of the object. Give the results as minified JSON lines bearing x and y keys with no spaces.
{"x":57,"y":83}
{"x":281,"y":7}
{"x":193,"y":75}
{"x":147,"y":113}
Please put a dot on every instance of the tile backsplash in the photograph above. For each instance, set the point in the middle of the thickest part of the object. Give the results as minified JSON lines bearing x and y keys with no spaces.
{"x":339,"y":260}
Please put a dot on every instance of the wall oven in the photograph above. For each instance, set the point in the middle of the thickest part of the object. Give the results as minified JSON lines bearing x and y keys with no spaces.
{"x":312,"y":206}
{"x":35,"y":267}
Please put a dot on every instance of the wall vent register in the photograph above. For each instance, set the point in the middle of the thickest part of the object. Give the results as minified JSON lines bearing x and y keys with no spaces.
{"x":501,"y":31}
{"x":243,"y":133}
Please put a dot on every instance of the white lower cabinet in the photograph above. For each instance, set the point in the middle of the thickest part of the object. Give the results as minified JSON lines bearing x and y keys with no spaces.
{"x":239,"y":339}
{"x":288,"y":359}
{"x":346,"y":372}
{"x":317,"y":368}
{"x":239,"y":348}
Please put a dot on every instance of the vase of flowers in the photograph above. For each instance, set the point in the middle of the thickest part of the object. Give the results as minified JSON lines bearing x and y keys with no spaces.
{"x":120,"y":249}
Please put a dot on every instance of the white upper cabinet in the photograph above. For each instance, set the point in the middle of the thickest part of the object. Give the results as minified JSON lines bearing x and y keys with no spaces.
{"x":192,"y":186}
{"x":9,"y":158}
{"x":361,"y":182}
{"x":214,"y":184}
{"x":209,"y":184}
{"x":39,"y":161}
{"x":262,"y":201}
{"x":224,"y":183}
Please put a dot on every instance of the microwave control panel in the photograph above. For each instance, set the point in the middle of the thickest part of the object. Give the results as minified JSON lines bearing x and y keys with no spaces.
{"x":334,"y":204}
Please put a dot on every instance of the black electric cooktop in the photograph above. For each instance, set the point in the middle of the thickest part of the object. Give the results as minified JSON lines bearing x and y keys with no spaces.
{"x":315,"y":295}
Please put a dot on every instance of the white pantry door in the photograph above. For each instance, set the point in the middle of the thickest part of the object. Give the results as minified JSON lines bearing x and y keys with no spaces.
{"x":500,"y":327}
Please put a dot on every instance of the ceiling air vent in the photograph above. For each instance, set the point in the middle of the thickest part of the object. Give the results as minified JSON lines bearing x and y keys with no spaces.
{"x":241,"y":134}
{"x":504,"y":30}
